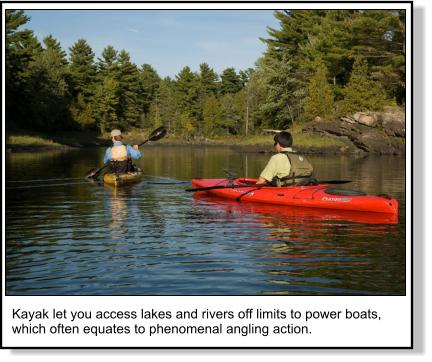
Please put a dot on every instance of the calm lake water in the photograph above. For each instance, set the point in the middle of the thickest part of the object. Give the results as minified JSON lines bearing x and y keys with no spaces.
{"x":68,"y":236}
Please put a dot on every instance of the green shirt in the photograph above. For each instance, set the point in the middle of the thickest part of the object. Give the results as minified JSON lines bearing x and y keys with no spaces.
{"x":278,"y":166}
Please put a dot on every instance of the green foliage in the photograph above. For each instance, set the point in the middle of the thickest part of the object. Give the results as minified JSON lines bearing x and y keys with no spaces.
{"x":233,"y":108}
{"x":362,"y":93}
{"x":335,"y":37}
{"x":230,"y":81}
{"x":48,"y":83}
{"x":187,"y":95}
{"x":208,"y":80}
{"x":150,"y":82}
{"x":107,"y":65}
{"x":21,"y":46}
{"x":212,"y":115}
{"x":106,"y":104}
{"x":155,"y":116}
{"x":320,"y":98}
{"x":82,"y":112}
{"x":168,"y":105}
{"x":82,"y":69}
{"x":130,"y":86}
{"x":186,"y":122}
{"x":284,"y":94}
{"x":306,"y":70}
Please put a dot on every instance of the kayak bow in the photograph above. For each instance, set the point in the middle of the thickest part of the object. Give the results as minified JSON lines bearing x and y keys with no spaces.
{"x":122,"y":179}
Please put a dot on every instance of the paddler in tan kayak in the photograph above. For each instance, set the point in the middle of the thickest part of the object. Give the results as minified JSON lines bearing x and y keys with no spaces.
{"x":119,"y":155}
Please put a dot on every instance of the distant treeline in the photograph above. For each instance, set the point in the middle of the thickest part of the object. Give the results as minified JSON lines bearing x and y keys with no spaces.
{"x":323,"y":63}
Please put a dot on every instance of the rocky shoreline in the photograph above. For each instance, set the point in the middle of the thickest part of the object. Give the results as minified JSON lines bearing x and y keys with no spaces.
{"x":371,"y":132}
{"x":361,"y":133}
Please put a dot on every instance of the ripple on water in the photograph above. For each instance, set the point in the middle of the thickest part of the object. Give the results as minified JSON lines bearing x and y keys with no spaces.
{"x":157,"y":239}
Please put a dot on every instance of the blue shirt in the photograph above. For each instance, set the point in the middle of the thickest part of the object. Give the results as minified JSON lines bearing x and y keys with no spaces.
{"x":132,"y":152}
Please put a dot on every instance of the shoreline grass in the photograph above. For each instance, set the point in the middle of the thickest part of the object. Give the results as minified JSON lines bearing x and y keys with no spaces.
{"x":30,"y":140}
{"x":301,"y":140}
{"x":25,"y":140}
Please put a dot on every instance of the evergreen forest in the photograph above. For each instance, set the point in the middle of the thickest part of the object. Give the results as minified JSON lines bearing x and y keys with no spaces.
{"x":325,"y":63}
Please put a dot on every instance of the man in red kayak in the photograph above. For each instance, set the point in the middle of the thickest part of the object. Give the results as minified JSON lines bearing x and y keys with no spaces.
{"x":119,"y":155}
{"x":286,"y":167}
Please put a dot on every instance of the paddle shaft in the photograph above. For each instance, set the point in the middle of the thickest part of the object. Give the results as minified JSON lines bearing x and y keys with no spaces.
{"x":256,"y":186}
{"x":96,"y":173}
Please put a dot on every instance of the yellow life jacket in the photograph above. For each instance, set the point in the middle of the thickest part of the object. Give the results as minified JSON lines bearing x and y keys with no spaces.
{"x":119,"y":153}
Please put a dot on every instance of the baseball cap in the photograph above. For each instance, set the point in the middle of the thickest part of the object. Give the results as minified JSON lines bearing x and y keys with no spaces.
{"x":115,"y":132}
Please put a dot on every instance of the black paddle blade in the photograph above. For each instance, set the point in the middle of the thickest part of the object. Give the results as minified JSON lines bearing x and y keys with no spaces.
{"x":157,"y":134}
{"x":92,"y":173}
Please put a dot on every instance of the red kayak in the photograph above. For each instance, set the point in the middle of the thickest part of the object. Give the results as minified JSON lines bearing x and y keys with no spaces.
{"x":293,"y":215}
{"x":321,"y":196}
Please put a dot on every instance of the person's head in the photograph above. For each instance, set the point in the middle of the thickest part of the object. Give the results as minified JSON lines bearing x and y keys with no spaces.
{"x":116,"y":135}
{"x":283,"y":139}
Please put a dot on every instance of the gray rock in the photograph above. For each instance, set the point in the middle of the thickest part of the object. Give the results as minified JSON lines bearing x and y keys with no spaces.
{"x":372,"y":132}
{"x":368,"y":119}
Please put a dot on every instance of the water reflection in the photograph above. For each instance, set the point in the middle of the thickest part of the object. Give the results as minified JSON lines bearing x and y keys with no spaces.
{"x":118,"y":209}
{"x":295,"y":215}
{"x":67,"y":237}
{"x":308,"y":251}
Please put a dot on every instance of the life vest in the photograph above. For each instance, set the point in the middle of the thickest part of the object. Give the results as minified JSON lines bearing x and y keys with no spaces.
{"x":300,"y":169}
{"x":119,"y":153}
{"x":120,"y":161}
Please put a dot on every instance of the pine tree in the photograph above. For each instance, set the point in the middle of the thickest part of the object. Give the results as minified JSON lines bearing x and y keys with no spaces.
{"x":256,"y":91}
{"x":107,"y":66}
{"x":150,"y":80}
{"x":332,"y":45}
{"x":232,"y":106}
{"x":296,"y":28}
{"x":187,"y":94}
{"x":361,"y":93}
{"x":107,"y":101}
{"x":155,"y":116}
{"x":208,"y":86}
{"x":130,"y":109}
{"x":52,"y":44}
{"x":82,"y":69}
{"x":208,"y":80}
{"x":379,"y":37}
{"x":48,"y":85}
{"x":168,"y":104}
{"x":230,"y":81}
{"x":83,"y":82}
{"x":21,"y":46}
{"x":212,"y":115}
{"x":320,"y":99}
{"x":285,"y":94}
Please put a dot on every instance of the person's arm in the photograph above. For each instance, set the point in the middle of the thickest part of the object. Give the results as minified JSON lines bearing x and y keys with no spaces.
{"x":268,"y":173}
{"x":261,"y":181}
{"x":107,"y":157}
{"x":134,"y":152}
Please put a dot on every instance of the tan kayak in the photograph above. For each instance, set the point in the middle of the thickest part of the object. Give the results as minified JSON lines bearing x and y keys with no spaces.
{"x":122,"y":179}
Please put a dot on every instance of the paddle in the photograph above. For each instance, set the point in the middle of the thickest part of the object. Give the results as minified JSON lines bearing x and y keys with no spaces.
{"x":334,"y":182}
{"x":156,"y":135}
